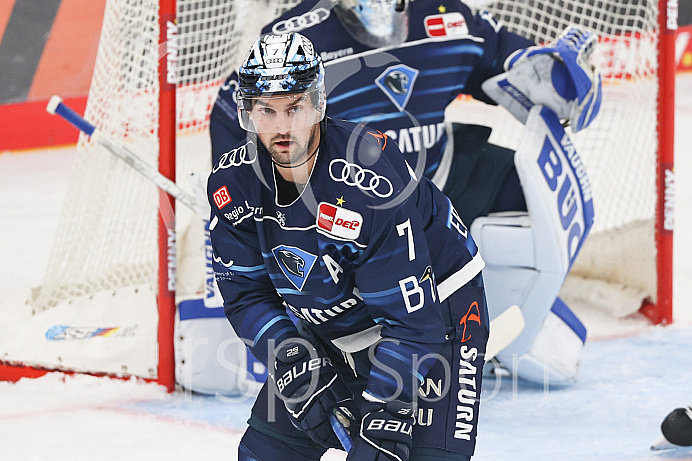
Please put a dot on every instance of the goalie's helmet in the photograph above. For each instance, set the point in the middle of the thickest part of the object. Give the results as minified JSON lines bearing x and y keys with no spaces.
{"x":281,"y":66}
{"x":375,"y":23}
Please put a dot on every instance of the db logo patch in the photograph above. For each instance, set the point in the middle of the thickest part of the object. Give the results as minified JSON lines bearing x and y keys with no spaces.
{"x":338,"y":221}
{"x":442,"y":25}
{"x":222,"y":197}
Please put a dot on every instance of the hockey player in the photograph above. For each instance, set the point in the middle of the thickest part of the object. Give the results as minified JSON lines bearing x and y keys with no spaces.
{"x":374,"y":262}
{"x":396,"y":65}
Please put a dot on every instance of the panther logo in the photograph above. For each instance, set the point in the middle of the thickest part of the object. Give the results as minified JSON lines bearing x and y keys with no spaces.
{"x":397,"y":81}
{"x":292,"y":262}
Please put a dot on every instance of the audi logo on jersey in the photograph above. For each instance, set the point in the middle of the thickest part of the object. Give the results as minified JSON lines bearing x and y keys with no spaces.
{"x":302,"y":22}
{"x":364,"y":179}
{"x":236,"y":157}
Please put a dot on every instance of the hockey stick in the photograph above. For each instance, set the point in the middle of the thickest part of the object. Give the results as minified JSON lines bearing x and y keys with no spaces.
{"x":56,"y":106}
{"x":504,"y":329}
{"x":340,"y":432}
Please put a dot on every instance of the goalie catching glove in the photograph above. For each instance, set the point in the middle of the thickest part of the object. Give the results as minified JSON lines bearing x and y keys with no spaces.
{"x":385,"y":432}
{"x":559,"y":76}
{"x":311,"y":389}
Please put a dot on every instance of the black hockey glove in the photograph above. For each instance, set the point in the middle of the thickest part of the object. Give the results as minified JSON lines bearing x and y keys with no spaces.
{"x":385,"y":433}
{"x":311,"y":391}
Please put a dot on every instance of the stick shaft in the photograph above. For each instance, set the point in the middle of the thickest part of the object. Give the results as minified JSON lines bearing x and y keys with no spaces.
{"x":56,"y":106}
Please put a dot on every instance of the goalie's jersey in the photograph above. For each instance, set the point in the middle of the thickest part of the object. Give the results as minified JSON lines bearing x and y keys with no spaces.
{"x":401,"y":91}
{"x":366,"y":251}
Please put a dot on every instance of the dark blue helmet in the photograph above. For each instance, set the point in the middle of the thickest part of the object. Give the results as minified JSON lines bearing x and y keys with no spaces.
{"x":280,"y":65}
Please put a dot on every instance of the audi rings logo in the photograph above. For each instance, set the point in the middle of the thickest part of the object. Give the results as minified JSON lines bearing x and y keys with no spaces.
{"x":235,"y":157}
{"x":298,"y":23}
{"x":355,"y":175}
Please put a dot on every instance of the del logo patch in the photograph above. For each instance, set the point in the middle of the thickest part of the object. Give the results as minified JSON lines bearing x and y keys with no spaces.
{"x":339,"y":221}
{"x":222,"y":197}
{"x":295,"y":263}
{"x":397,"y":83}
{"x":447,"y":24}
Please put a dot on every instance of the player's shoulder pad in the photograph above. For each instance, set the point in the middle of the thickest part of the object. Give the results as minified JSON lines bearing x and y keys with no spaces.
{"x":373,"y":157}
{"x":304,"y":15}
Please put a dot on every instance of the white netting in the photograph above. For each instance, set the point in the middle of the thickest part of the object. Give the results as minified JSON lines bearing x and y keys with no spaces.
{"x":619,"y":148}
{"x":107,"y":235}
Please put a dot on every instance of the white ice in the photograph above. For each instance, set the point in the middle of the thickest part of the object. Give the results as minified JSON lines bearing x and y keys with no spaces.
{"x":627,"y":384}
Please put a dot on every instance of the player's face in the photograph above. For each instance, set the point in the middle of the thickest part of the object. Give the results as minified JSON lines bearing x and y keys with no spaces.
{"x":287,"y":126}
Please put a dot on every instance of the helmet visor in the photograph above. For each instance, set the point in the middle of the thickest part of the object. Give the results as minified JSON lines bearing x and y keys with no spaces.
{"x":281,"y":113}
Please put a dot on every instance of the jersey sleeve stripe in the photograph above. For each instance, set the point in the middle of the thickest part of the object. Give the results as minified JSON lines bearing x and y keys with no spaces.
{"x":268,"y":325}
{"x":460,"y":278}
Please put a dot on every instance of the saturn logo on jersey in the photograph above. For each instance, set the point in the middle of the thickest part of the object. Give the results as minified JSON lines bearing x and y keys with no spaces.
{"x":473,"y":315}
{"x":397,"y":83}
{"x":294,"y":263}
{"x":338,"y":221}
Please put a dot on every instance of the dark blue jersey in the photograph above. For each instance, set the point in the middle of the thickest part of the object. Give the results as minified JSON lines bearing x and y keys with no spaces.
{"x":366,"y":251}
{"x":401,"y":91}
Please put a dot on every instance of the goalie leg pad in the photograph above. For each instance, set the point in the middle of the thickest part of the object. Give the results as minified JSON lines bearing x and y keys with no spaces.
{"x":555,"y":354}
{"x":514,"y":274}
{"x":210,"y":358}
{"x":528,"y":255}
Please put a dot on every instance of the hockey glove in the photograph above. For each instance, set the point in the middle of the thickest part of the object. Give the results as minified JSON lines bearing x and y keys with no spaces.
{"x":560,"y":76}
{"x":385,"y":433}
{"x":311,"y":390}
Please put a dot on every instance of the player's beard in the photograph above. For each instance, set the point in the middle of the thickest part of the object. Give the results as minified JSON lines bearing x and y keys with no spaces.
{"x":294,"y":148}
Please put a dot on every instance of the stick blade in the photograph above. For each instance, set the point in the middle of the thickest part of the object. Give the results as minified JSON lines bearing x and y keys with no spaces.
{"x":663,"y":444}
{"x":504,"y":329}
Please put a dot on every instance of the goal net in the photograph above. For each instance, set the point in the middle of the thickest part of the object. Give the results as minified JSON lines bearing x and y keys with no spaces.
{"x":626,"y":262}
{"x":103,"y":280}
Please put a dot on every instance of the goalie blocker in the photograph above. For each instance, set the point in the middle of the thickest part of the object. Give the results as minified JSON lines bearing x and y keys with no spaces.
{"x":560,"y":216}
